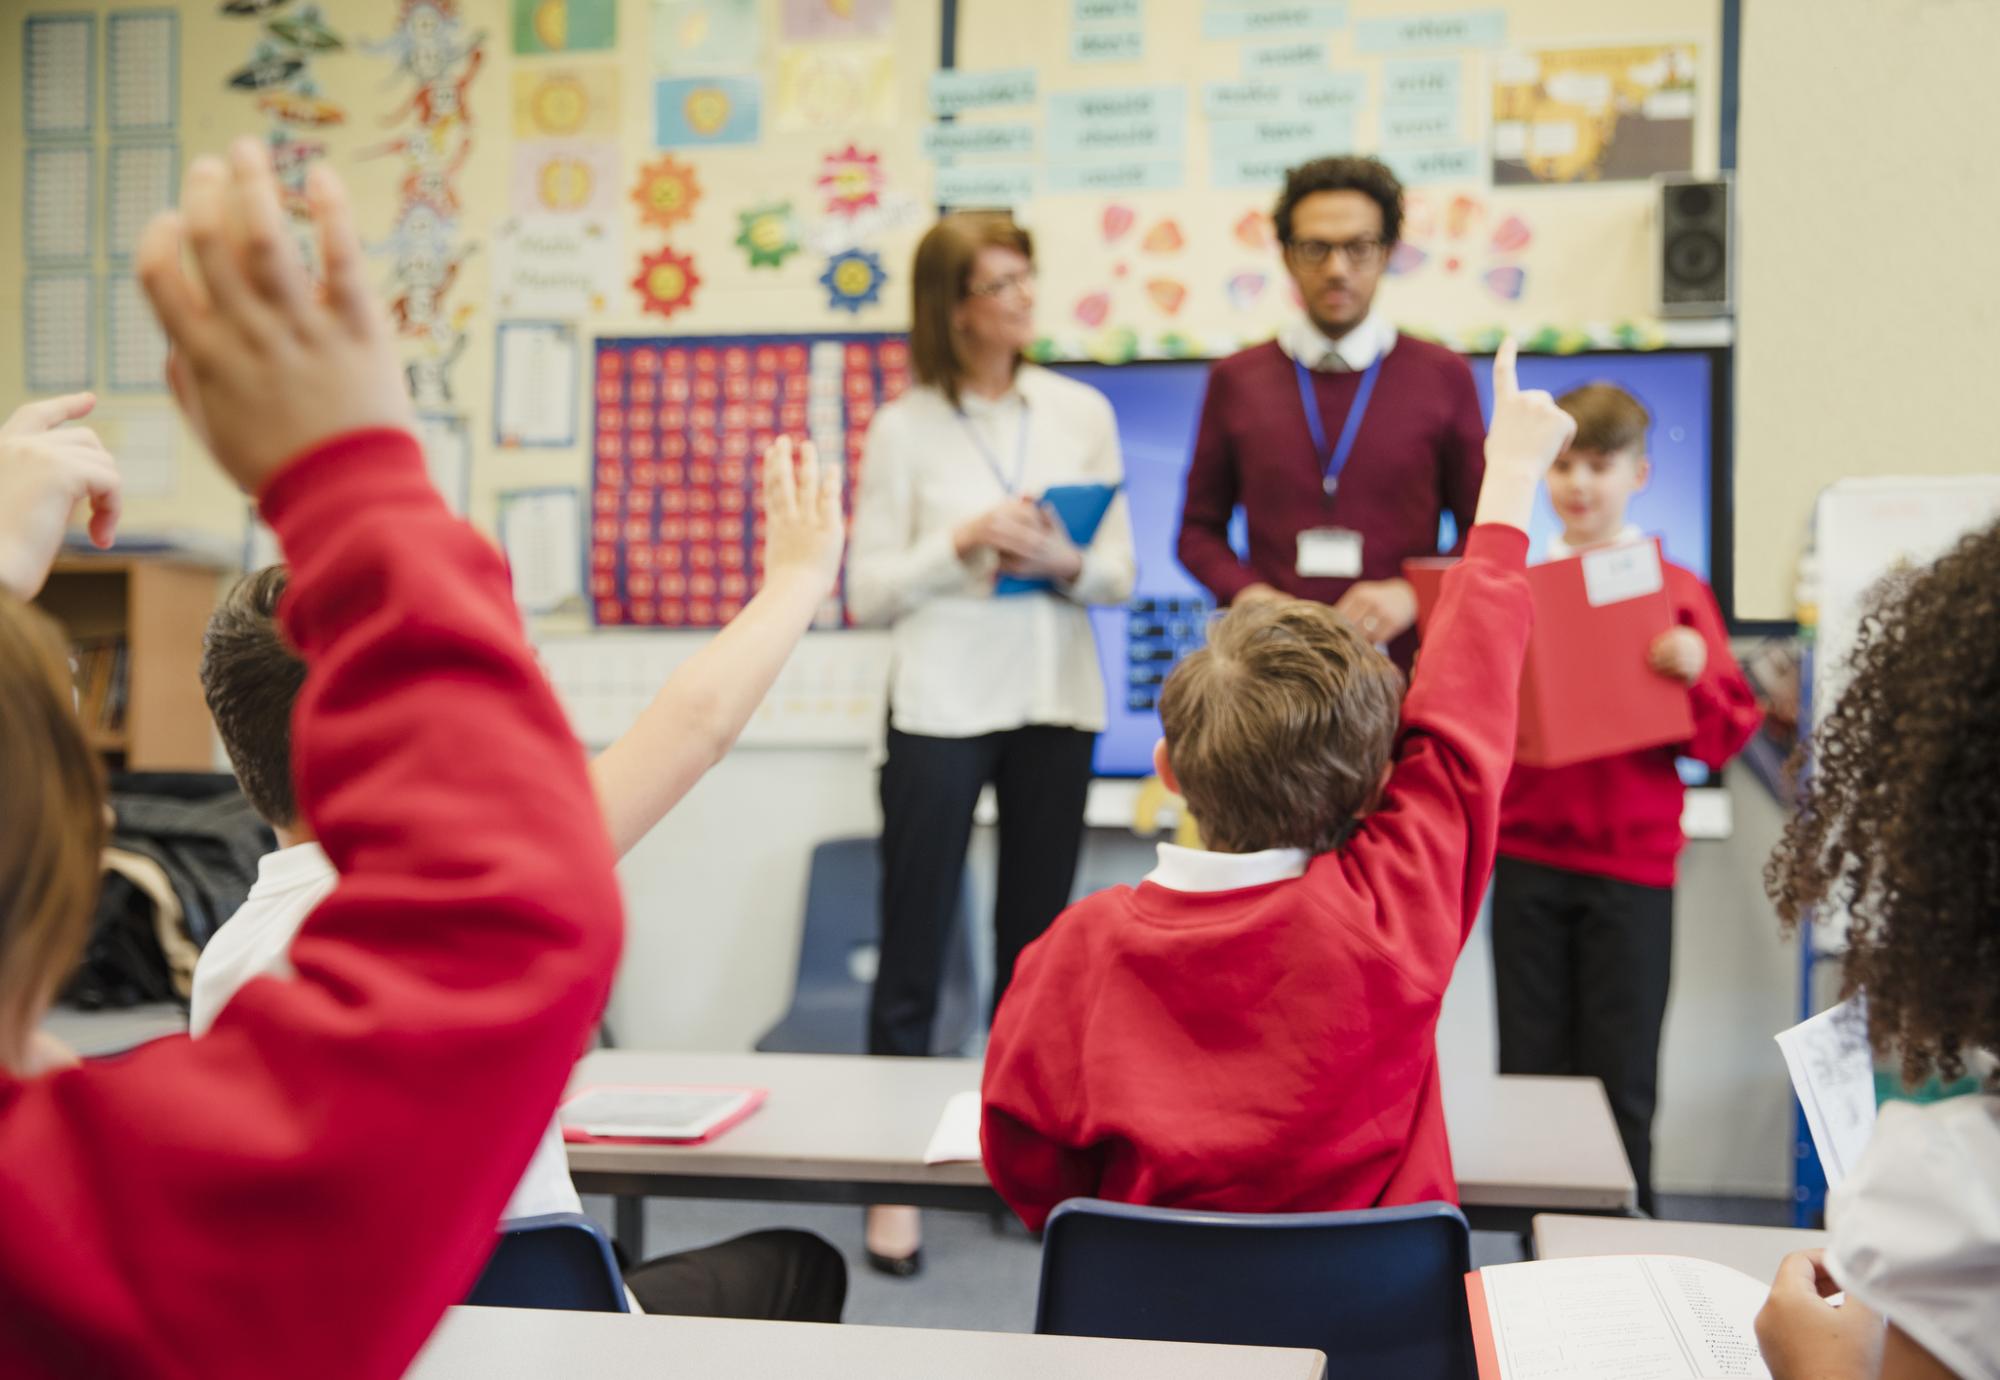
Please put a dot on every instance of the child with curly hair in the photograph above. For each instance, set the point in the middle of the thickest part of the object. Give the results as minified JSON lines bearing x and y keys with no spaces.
{"x":1899,"y":826}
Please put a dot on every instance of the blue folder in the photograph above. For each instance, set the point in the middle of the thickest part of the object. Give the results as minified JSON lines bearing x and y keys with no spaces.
{"x":1081,"y":509}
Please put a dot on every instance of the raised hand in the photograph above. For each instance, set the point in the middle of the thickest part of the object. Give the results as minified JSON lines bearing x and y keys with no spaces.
{"x":804,"y":530}
{"x":1528,"y":432}
{"x":266,"y":364}
{"x":46,"y":469}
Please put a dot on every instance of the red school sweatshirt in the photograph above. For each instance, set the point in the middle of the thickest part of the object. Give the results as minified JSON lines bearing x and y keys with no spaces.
{"x":1271,"y":1048}
{"x":303,"y":1191}
{"x":1620,"y":816}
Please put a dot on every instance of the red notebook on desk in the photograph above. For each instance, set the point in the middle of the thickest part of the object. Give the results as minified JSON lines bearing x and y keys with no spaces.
{"x":1586,"y":690}
{"x":659,"y":1113}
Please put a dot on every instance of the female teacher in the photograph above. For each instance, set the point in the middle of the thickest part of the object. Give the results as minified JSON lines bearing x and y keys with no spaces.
{"x":1342,"y":441}
{"x":995,"y":674}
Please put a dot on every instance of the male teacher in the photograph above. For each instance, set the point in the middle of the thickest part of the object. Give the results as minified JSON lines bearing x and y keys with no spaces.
{"x":1342,"y":440}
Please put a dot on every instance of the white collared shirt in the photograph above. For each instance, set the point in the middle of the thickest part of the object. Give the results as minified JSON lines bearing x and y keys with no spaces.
{"x":967,"y":662}
{"x":1353,"y":352}
{"x":1560,"y":550}
{"x":257,"y":942}
{"x":1192,"y":869}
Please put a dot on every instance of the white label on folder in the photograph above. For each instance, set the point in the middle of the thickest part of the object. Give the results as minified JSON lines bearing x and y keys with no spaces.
{"x":1330,"y":553}
{"x":1618,"y":573}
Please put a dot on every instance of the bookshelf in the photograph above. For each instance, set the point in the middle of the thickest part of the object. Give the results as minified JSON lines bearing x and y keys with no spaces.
{"x":134,"y":625}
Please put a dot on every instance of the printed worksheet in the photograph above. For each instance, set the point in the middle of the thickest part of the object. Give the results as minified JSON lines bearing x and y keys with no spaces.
{"x":1652,"y":1317}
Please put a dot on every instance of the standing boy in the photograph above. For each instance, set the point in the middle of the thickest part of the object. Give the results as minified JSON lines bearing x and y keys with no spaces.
{"x":1252,"y":1028}
{"x":1583,"y":897}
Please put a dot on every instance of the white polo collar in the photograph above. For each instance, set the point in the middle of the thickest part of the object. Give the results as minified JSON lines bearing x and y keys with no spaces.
{"x":1353,"y":352}
{"x":1191,"y":869}
{"x":1560,"y":550}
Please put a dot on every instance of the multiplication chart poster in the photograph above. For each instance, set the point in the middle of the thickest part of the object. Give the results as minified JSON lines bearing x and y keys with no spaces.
{"x":682,"y":424}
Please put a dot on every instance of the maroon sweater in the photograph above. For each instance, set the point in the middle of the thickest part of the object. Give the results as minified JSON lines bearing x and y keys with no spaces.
{"x":1420,"y":452}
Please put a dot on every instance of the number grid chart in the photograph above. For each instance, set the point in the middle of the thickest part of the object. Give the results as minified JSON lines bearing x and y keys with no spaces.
{"x":676,"y":535}
{"x":135,"y":349}
{"x":142,"y":59}
{"x":58,"y":76}
{"x":139,"y":183}
{"x":57,"y":331}
{"x":56,"y":208}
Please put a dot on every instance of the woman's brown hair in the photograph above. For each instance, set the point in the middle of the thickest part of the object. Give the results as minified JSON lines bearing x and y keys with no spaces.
{"x":938,"y":280}
{"x":1898,"y":823}
{"x":52,"y":828}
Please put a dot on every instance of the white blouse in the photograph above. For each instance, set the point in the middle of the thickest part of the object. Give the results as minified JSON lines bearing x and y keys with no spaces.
{"x":1915,"y":1230}
{"x":965,"y":661}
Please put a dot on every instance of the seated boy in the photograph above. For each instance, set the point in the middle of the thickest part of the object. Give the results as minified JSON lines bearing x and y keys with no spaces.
{"x":1251,"y":1028}
{"x":1583,"y":894}
{"x":251,"y":679}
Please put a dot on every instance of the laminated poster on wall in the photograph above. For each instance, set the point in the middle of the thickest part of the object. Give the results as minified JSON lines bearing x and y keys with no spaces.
{"x":564,"y":26}
{"x":666,"y":193}
{"x":447,"y":441}
{"x":571,"y":101}
{"x":666,"y":282}
{"x":819,"y":21}
{"x":1614,"y":114}
{"x":535,"y":369}
{"x":555,"y":266}
{"x":692,"y":37}
{"x":565,"y":177}
{"x":541,"y":532}
{"x":707,"y":112}
{"x":821,"y":86}
{"x":767,"y":234}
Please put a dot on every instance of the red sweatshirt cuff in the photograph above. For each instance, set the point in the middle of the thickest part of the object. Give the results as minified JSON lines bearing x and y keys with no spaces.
{"x":306,"y":502}
{"x":1499,"y":544}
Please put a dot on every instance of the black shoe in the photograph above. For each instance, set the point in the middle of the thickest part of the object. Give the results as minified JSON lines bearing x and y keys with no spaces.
{"x":897,"y":1266}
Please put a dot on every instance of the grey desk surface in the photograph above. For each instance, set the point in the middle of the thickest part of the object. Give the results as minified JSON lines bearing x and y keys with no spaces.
{"x":1516,"y":1142}
{"x":530,"y":1344}
{"x":1755,"y":1251}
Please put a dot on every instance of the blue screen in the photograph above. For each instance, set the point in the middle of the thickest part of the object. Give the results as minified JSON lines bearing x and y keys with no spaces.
{"x":1158,"y":405}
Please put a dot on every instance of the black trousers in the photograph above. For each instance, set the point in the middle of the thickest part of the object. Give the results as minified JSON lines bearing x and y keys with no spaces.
{"x":1581,"y":966}
{"x":929,"y":788}
{"x":773,"y":1276}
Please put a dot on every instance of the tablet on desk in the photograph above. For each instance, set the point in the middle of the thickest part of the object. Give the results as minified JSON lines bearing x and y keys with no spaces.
{"x":680,"y":1114}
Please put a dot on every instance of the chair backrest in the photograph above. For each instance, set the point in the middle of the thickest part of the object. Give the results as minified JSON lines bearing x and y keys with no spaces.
{"x":1381,"y":1291}
{"x":559,"y":1260}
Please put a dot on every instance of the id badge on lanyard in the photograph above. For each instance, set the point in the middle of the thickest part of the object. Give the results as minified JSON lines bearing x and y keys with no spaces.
{"x":1333,"y":553}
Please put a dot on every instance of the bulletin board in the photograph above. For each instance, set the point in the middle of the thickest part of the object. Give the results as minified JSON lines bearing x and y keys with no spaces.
{"x":1148,"y":139}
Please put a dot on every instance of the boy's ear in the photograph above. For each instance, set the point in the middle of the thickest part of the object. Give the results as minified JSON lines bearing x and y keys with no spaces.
{"x":1381,"y":788}
{"x":1644,"y":469}
{"x":1163,"y":768}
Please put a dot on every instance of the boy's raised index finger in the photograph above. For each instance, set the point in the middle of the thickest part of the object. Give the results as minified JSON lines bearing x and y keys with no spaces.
{"x":273,"y":257}
{"x":1506,"y":377}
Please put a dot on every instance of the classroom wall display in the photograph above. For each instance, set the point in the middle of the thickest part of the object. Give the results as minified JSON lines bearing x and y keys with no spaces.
{"x":681,"y":427}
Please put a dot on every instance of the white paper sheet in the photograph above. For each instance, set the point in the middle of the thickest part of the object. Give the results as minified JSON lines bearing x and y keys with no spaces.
{"x":956,"y":1139}
{"x":541,"y":531}
{"x":562,"y":267}
{"x":61,"y":351}
{"x":58,"y":212}
{"x":1633,"y":1317}
{"x":142,"y":71}
{"x":535,"y":384}
{"x":56,"y":71}
{"x":1833,"y":1072}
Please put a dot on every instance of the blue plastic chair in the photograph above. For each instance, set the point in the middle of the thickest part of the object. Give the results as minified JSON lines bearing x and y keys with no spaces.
{"x":1381,"y":1291}
{"x":828,"y":1013}
{"x":558,"y":1260}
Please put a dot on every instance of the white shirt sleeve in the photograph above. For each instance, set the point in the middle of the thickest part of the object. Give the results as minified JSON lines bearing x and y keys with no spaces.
{"x":1915,"y":1230}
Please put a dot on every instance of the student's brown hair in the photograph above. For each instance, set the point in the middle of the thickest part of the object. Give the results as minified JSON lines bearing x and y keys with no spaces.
{"x":1608,"y":419}
{"x":52,"y":829}
{"x":938,"y":280}
{"x":1278,"y":730}
{"x":251,"y":678}
{"x":1898,"y":818}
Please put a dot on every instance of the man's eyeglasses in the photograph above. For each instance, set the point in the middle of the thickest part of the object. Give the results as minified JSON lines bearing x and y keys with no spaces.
{"x":999,"y":287}
{"x":1364,"y":252}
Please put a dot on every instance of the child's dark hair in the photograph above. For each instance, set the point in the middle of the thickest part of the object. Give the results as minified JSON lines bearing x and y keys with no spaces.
{"x":251,"y":678}
{"x":1346,"y":173}
{"x":1899,"y":816}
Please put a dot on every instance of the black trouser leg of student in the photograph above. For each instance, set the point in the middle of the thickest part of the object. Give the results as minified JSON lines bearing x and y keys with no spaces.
{"x":777,"y":1276}
{"x":1535,"y":911}
{"x":1040,"y":786}
{"x":1624,"y":968}
{"x":930,"y":787}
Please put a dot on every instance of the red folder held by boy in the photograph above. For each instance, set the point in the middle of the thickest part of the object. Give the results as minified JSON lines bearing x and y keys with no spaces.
{"x":1587,"y":690}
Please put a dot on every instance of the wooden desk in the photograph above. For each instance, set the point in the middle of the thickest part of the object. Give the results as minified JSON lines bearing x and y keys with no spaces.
{"x":1755,"y":1251}
{"x":849,"y":1129}
{"x":531,"y":1344}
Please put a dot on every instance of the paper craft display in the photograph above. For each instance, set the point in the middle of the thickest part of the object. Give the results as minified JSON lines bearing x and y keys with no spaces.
{"x":681,"y":1115}
{"x":1620,"y":114}
{"x":535,"y":367}
{"x":695,"y":112}
{"x":704,"y":36}
{"x":555,"y":266}
{"x":835,"y":85}
{"x":58,"y":342}
{"x":565,"y":26}
{"x":1080,"y":508}
{"x":541,"y":532}
{"x":667,"y":193}
{"x":1638,"y":1317}
{"x":1586,"y":688}
{"x":854,"y":280}
{"x":851,"y":181}
{"x":58,"y":75}
{"x":666,"y":283}
{"x":569,"y":102}
{"x":142,"y":66}
{"x":681,"y":427}
{"x":565,"y":177}
{"x":1833,"y":1073}
{"x":767,"y":235}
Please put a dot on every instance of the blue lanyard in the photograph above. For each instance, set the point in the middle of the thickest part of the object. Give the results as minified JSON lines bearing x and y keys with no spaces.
{"x":993,"y":461}
{"x":1336,"y":460}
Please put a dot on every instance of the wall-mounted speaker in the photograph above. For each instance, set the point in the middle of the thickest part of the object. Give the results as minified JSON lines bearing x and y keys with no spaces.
{"x":1697,"y":249}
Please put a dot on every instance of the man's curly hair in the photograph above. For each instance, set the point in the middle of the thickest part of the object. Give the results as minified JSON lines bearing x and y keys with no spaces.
{"x":1899,"y":816}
